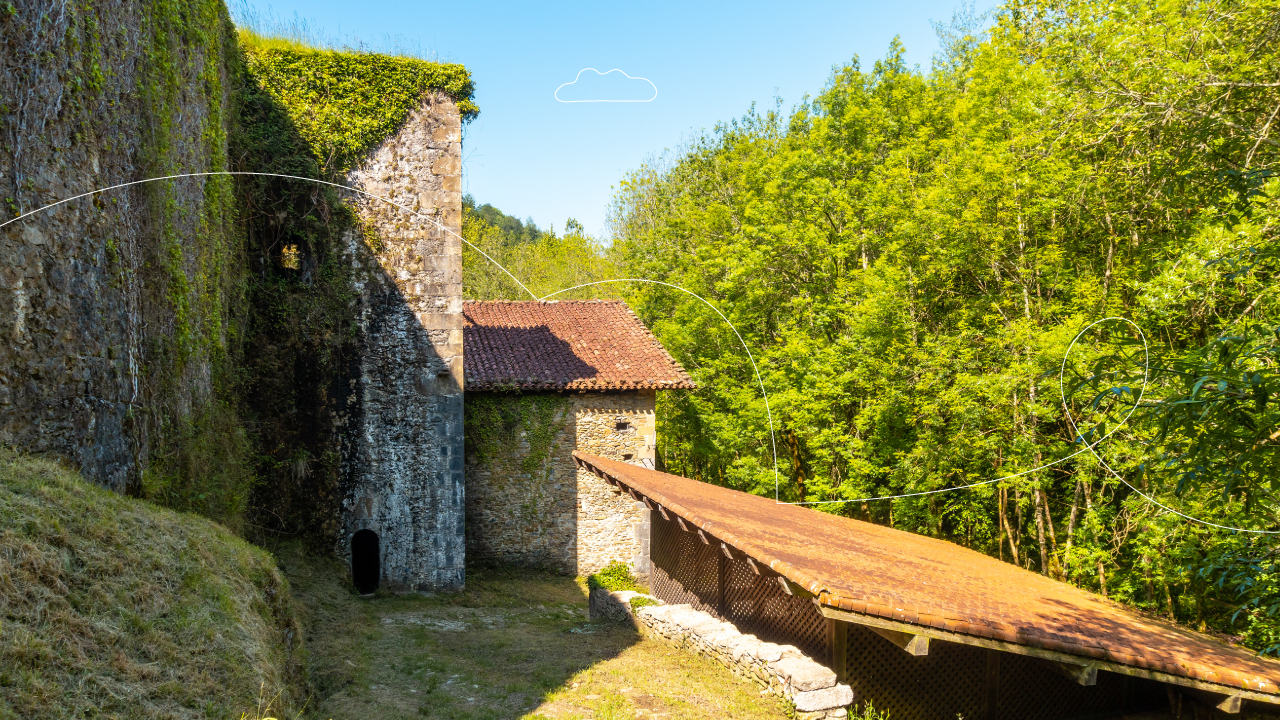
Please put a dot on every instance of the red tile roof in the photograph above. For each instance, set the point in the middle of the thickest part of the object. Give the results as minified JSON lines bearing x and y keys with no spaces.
{"x":877,"y":571}
{"x":566,"y":345}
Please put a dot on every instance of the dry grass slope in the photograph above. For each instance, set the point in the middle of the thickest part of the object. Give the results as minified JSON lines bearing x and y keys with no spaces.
{"x":113,"y":607}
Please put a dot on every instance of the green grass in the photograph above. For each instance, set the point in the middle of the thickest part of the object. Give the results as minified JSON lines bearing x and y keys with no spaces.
{"x":114,"y":607}
{"x":513,"y":644}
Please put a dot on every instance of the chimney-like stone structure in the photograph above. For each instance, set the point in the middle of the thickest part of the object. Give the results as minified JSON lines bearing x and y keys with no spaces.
{"x":402,"y":448}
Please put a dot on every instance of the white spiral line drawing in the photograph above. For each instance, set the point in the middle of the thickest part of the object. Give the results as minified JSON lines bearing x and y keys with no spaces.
{"x":755,"y":369}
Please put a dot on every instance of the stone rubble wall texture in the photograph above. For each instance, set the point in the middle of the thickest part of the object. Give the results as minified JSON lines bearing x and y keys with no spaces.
{"x":402,"y":473}
{"x":88,"y":370}
{"x":566,"y":520}
{"x":780,"y":669}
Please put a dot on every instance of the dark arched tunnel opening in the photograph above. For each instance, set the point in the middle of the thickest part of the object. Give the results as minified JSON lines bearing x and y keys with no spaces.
{"x":365,"y":562}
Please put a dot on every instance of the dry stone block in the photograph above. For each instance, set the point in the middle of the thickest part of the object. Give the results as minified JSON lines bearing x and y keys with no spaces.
{"x":805,"y":674}
{"x":838,"y":696}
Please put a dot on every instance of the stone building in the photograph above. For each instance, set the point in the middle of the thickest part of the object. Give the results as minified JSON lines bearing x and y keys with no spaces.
{"x":402,"y":475}
{"x":544,"y":379}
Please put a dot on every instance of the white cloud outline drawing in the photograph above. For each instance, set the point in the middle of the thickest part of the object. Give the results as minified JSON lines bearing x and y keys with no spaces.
{"x":577,"y":77}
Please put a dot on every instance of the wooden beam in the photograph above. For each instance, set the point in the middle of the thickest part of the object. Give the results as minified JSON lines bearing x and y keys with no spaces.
{"x":1084,"y":674}
{"x":793,"y":589}
{"x":1232,"y":704}
{"x":914,"y":644}
{"x":703,"y":537}
{"x":727,"y":550}
{"x":665,"y":516}
{"x":680,"y":521}
{"x":873,"y":621}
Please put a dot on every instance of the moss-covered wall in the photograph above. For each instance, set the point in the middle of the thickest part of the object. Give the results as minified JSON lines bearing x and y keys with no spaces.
{"x":527,"y":501}
{"x":188,"y":340}
{"x":122,"y":312}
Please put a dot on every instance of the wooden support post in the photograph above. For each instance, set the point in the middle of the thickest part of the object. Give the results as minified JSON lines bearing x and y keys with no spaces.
{"x":1082,"y":674}
{"x":722,"y":563}
{"x":991,"y":683}
{"x":794,"y":589}
{"x":913,"y":644}
{"x":838,"y":648}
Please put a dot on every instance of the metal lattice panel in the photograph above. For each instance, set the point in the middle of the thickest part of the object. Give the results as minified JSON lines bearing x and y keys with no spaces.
{"x":757,"y":605}
{"x":684,"y":570}
{"x":949,"y":681}
{"x":687,"y":570}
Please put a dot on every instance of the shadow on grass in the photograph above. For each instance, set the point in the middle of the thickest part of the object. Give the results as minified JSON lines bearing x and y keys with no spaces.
{"x":498,"y":649}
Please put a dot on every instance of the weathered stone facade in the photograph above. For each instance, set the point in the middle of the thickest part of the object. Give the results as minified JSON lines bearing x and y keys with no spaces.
{"x":114,"y":307}
{"x":402,"y":454}
{"x":561,"y":518}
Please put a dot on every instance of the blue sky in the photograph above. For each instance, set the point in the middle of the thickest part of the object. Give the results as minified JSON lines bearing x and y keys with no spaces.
{"x":532,"y":156}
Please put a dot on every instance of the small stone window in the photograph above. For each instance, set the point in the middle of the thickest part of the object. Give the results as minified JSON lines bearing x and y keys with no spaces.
{"x":622,"y":425}
{"x":627,"y":456}
{"x":366,"y":565}
{"x":291,"y":257}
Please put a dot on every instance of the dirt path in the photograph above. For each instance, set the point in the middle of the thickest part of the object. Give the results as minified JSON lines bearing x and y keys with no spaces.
{"x":514,"y":644}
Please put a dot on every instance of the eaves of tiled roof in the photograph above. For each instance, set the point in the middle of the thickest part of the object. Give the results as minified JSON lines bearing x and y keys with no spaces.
{"x":566,"y":345}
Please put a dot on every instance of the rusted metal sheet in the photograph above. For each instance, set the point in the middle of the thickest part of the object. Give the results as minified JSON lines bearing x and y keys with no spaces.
{"x":873,"y":571}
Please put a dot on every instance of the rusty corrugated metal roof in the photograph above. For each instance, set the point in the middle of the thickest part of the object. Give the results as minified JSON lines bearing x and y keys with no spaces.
{"x":873,"y":570}
{"x":563,"y":345}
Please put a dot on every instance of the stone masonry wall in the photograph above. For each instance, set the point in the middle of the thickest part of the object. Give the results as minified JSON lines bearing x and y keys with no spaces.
{"x":402,"y":456}
{"x":564,"y":519}
{"x":613,"y":526}
{"x":112,"y":307}
{"x":780,"y":669}
{"x":520,"y":518}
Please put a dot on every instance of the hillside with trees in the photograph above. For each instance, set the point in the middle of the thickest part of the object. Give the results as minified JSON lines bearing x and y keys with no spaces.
{"x":911,"y":253}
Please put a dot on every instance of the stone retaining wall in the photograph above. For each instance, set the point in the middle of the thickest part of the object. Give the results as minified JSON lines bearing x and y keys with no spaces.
{"x":779,"y":669}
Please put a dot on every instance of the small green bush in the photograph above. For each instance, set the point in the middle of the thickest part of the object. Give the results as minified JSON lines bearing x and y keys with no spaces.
{"x":640,"y":601}
{"x":612,"y":577}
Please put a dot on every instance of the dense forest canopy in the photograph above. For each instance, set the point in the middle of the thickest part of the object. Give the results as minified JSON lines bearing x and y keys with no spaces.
{"x":911,"y":253}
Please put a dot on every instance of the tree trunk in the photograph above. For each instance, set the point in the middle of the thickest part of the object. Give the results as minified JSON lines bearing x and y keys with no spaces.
{"x":1013,"y":543}
{"x":1071,"y":527}
{"x":1102,"y":579}
{"x":1044,"y":550}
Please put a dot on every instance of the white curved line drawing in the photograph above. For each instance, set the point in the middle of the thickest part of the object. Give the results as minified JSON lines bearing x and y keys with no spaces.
{"x":773,"y":438}
{"x":556,"y":94}
{"x":1062,"y":370}
{"x":287,"y":177}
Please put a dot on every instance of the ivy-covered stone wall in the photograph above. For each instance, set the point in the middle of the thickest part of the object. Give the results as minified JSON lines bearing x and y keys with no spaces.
{"x":121,"y":312}
{"x":198,"y":341}
{"x":527,"y":502}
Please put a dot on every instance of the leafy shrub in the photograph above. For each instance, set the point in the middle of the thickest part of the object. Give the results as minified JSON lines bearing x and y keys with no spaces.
{"x":640,"y":601}
{"x":612,"y":577}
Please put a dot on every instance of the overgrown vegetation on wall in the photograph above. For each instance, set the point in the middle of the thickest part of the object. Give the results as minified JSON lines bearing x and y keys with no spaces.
{"x":515,"y":434}
{"x":313,"y":113}
{"x":196,"y":333}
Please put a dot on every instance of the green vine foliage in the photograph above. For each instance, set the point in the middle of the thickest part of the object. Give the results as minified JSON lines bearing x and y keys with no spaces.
{"x":344,"y":103}
{"x":494,"y":426}
{"x":311,"y":113}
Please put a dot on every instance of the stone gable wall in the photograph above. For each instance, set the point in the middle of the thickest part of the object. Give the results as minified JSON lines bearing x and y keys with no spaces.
{"x":564,"y":519}
{"x":402,"y":471}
